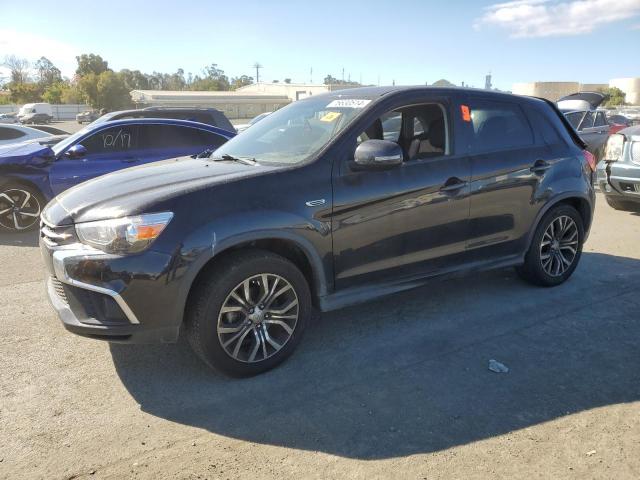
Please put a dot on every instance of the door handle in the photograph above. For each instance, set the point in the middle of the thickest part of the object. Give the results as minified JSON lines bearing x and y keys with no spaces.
{"x":129,"y":160}
{"x":453,"y":185}
{"x":540,"y":167}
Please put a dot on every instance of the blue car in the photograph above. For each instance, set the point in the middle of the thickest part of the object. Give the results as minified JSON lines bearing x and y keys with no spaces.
{"x":32,"y":174}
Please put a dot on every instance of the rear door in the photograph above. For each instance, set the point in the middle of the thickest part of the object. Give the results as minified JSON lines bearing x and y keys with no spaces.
{"x":506,"y":165}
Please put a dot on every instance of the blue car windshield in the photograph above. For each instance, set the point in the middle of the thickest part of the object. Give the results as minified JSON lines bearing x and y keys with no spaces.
{"x":60,"y":147}
{"x":296,"y":132}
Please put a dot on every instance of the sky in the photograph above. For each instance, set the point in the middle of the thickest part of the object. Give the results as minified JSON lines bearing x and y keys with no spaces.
{"x":402,"y":41}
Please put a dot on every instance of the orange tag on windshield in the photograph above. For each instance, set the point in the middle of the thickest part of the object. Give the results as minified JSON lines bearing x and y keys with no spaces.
{"x":466,"y":114}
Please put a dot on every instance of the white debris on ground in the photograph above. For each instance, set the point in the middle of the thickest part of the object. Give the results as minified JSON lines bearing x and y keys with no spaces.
{"x":497,"y":367}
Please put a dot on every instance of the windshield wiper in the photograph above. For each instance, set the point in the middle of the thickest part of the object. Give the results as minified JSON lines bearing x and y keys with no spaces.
{"x":230,"y":158}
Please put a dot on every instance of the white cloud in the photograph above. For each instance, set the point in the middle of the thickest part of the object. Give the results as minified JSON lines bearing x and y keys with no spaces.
{"x":32,"y":46}
{"x":546,"y":18}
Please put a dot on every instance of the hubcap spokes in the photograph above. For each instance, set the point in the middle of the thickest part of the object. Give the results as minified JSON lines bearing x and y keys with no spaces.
{"x":258,"y":318}
{"x":559,"y":246}
{"x":19,"y":209}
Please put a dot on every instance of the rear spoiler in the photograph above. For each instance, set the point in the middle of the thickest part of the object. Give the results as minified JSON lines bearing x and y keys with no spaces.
{"x":570,"y":130}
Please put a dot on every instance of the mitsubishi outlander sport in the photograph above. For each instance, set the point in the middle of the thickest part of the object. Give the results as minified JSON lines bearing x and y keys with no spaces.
{"x":332,"y":200}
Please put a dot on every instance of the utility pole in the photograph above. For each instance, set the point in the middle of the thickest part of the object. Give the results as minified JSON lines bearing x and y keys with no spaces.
{"x":257,"y":66}
{"x":342,"y":74}
{"x":311,"y":76}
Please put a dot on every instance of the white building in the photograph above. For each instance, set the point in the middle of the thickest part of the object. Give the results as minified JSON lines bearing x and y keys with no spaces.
{"x":294,"y":91}
{"x":631,"y":88}
{"x":233,"y":104}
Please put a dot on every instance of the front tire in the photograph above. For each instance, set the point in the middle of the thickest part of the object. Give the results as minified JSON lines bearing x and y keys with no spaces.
{"x":20,"y":208}
{"x":555,"y":249}
{"x":249,"y":313}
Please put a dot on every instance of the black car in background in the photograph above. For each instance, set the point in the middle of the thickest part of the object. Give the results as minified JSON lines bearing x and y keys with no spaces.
{"x":32,"y":118}
{"x":581,"y":110}
{"x":322,"y":204}
{"x":208,"y":116}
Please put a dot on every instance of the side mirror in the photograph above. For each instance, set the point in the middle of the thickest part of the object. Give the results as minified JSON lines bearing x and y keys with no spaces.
{"x":378,"y":154}
{"x":77,"y":151}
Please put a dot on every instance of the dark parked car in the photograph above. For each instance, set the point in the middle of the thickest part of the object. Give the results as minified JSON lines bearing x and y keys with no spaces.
{"x":31,"y":118}
{"x":87,"y":116}
{"x":32,"y":173}
{"x":208,"y":116}
{"x":312,"y":207}
{"x":619,"y":174}
{"x":591,"y":124}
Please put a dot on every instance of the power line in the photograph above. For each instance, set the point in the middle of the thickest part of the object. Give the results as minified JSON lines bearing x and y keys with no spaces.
{"x":257,"y":66}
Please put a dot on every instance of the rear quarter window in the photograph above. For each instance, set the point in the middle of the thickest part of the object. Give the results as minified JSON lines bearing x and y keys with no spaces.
{"x":498,"y":126}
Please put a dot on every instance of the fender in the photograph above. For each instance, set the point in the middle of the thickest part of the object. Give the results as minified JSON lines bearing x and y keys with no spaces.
{"x":553,"y":202}
{"x":312,"y":236}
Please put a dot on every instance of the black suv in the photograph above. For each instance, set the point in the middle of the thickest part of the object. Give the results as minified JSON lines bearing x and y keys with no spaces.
{"x":208,"y":116}
{"x":333,"y":200}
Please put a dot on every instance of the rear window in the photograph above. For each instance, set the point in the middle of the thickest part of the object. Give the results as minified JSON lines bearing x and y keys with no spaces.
{"x":574,"y":118}
{"x":10,"y":134}
{"x":499,"y":125}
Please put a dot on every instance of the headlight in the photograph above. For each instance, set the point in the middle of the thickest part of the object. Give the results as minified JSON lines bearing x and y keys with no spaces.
{"x":124,"y":235}
{"x":613,"y":149}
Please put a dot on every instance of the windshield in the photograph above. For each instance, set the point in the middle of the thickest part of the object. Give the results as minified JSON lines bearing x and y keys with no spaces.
{"x":296,"y":132}
{"x":59,"y":147}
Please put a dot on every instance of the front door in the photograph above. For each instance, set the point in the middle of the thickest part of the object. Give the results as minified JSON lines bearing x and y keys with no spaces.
{"x":412,"y":219}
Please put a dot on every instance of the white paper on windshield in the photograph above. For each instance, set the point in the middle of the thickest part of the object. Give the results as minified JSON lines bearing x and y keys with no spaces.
{"x":349,"y":103}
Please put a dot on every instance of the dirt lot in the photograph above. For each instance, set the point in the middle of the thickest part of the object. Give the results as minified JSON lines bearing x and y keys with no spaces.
{"x":397,"y":388}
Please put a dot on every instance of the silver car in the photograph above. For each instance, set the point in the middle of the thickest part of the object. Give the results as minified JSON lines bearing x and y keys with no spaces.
{"x":619,"y":173}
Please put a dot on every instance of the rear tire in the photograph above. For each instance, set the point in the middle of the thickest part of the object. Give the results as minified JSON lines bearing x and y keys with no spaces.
{"x":555,"y":249}
{"x":622,"y":205}
{"x":20,"y":208}
{"x":240,"y":327}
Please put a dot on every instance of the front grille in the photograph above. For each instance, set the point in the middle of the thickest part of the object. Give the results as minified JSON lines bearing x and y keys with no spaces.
{"x":56,"y":236}
{"x":58,"y":288}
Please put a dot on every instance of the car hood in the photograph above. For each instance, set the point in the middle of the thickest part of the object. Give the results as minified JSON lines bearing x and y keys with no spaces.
{"x":24,"y":153}
{"x":133,"y":190}
{"x":581,"y":101}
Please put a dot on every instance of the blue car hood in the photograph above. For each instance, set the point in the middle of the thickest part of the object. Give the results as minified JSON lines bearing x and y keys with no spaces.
{"x":23,"y":153}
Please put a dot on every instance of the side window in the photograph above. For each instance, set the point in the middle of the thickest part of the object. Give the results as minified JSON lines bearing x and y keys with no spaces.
{"x":545,"y":126}
{"x":420,"y":130}
{"x":10,"y":134}
{"x":498,"y":125}
{"x":587,"y":121}
{"x":112,"y":140}
{"x":601,"y":120}
{"x":574,"y":118}
{"x":173,"y":136}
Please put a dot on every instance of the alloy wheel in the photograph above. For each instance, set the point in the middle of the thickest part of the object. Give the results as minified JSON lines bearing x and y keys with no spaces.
{"x":19,"y":209}
{"x":559,"y":246}
{"x":258,"y":318}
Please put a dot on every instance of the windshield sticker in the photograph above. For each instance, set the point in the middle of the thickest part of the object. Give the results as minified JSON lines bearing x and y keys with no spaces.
{"x":349,"y":103}
{"x":330,"y":117}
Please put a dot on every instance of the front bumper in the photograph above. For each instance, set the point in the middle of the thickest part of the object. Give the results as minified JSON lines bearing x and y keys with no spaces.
{"x":620,"y":180}
{"x":117,"y":298}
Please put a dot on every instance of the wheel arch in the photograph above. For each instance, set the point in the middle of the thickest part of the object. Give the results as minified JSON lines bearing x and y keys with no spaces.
{"x":579,"y":201}
{"x":292,"y":247}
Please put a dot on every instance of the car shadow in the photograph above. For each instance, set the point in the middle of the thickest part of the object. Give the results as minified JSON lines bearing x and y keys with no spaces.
{"x":21,"y":239}
{"x":408,"y":373}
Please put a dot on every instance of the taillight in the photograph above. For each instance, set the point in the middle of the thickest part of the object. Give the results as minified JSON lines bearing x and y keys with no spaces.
{"x":590,"y":159}
{"x":615,"y":128}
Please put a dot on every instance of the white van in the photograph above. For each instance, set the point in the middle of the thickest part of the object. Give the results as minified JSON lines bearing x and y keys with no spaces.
{"x":41,"y":110}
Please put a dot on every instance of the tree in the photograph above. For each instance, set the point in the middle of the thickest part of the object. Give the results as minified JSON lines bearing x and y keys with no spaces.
{"x":71,"y":95}
{"x":53,"y":93}
{"x":241,"y":81}
{"x":287,"y":80}
{"x":443,"y":83}
{"x":90,"y":63}
{"x":88,"y":87}
{"x":331,"y":80}
{"x":135,"y":79}
{"x":214,"y":79}
{"x":112,"y":93}
{"x":19,"y":68}
{"x":615,"y":96}
{"x":48,"y":73}
{"x":24,"y":92}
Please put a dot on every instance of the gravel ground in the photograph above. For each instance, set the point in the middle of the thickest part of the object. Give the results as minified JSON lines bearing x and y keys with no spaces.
{"x":397,"y":388}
